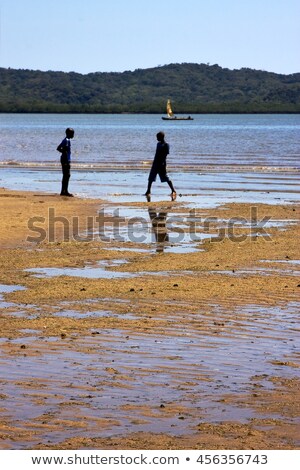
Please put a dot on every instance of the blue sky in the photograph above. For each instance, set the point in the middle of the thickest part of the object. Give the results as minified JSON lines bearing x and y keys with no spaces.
{"x":116,"y":35}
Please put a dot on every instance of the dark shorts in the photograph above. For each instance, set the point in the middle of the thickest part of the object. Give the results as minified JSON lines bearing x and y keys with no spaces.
{"x":161,"y":171}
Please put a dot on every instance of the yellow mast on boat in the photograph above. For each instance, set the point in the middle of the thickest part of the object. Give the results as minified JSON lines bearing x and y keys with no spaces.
{"x":169,"y":109}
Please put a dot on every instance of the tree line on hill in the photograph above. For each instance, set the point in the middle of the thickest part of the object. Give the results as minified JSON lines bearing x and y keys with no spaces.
{"x":192,"y":88}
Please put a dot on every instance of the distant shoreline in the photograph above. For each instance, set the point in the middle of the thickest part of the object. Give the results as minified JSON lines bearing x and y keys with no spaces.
{"x":200,"y":113}
{"x":192,"y":88}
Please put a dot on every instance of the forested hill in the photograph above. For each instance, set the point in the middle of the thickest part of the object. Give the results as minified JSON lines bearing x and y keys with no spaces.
{"x":193,"y":88}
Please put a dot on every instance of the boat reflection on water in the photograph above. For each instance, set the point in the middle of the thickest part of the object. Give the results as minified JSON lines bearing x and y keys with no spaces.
{"x":159,"y":227}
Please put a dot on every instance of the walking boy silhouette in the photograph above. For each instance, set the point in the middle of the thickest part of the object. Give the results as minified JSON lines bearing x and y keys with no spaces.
{"x":159,"y":166}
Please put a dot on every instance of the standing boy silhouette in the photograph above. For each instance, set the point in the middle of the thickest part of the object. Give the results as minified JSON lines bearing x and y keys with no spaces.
{"x":65,"y":160}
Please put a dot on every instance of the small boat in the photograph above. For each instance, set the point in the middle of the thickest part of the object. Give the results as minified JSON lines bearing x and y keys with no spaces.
{"x":171,"y":117}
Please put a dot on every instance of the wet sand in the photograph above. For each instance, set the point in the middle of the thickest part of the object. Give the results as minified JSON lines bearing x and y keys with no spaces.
{"x":127,"y":344}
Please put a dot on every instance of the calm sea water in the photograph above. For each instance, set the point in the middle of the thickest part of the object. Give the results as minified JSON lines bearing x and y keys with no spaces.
{"x":214,"y":159}
{"x":128,"y":141}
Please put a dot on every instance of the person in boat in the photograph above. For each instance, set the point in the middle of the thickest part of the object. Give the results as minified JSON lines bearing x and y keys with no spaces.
{"x":65,"y":149}
{"x":159,"y":165}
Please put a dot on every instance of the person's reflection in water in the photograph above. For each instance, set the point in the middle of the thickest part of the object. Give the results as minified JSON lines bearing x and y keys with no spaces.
{"x":159,"y":227}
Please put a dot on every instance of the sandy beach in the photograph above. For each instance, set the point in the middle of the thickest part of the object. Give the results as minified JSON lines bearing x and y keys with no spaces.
{"x":116,"y":343}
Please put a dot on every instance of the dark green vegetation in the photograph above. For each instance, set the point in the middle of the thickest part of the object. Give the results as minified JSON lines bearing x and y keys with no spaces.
{"x":193,"y":88}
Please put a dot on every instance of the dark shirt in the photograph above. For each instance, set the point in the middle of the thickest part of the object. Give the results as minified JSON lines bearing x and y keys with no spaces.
{"x":162,"y":150}
{"x":65,"y":149}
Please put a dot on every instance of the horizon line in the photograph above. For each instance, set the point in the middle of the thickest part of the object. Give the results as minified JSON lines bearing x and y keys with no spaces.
{"x":208,"y":64}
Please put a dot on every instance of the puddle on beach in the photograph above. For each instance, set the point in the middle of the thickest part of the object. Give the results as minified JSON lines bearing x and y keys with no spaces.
{"x":102,"y":270}
{"x":156,"y":229}
{"x":94,"y":314}
{"x":169,"y":229}
{"x":279,"y":267}
{"x":5,"y":289}
{"x":97,"y":272}
{"x":287,"y":261}
{"x":155,"y":382}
